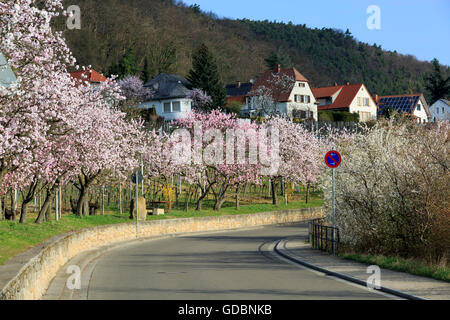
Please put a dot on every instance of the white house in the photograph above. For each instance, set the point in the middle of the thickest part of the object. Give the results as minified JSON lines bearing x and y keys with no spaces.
{"x":413,"y":104}
{"x":440,"y":110}
{"x":169,"y":96}
{"x":6,"y":74}
{"x":290,"y":100}
{"x":353,"y":98}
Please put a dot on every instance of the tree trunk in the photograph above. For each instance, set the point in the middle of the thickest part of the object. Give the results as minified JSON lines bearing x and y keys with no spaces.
{"x":188,"y":197}
{"x":307,"y":192}
{"x":220,"y":196}
{"x":2,"y":212}
{"x":132,"y":208}
{"x":27,"y":199}
{"x":238,"y":189}
{"x":274,"y":192}
{"x":204,"y":193}
{"x":47,"y":204}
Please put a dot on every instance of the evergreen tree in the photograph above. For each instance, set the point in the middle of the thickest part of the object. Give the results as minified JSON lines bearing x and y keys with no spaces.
{"x":127,"y":65}
{"x":278,"y":57}
{"x":436,"y":85}
{"x":146,"y":71}
{"x":205,"y":75}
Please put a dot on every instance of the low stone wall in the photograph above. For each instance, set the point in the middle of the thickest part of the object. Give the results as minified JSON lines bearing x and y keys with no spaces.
{"x":28,"y":275}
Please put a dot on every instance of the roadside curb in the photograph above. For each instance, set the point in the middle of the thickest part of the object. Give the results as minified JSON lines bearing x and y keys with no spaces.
{"x":284,"y":253}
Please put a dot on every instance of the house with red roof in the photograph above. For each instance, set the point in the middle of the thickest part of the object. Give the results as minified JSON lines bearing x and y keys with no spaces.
{"x":353,"y":98}
{"x":286,"y":91}
{"x":89,"y":75}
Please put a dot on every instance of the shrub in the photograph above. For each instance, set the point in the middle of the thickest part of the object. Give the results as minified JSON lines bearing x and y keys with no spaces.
{"x":393,"y":190}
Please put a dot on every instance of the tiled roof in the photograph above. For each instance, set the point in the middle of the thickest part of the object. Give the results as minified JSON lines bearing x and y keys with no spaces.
{"x":88,"y":75}
{"x":325,"y":92}
{"x":282,"y":95}
{"x":347,"y":94}
{"x":238,"y":90}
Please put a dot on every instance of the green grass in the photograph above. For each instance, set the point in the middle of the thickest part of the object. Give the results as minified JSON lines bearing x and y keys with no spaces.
{"x":16,"y":237}
{"x":412,"y":266}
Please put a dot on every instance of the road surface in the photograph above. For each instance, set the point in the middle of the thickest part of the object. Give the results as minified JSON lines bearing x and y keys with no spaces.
{"x":230,"y":265}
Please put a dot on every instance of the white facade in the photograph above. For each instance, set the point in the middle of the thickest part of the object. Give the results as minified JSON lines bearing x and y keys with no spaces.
{"x":420,"y":112}
{"x":300,"y":98}
{"x":364,"y":105}
{"x":170,"y":109}
{"x":440,"y":111}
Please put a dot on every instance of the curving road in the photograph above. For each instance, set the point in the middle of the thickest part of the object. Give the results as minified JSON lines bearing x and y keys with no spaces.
{"x":227,"y":265}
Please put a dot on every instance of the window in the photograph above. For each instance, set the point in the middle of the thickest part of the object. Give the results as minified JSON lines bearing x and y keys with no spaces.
{"x":437,"y":110}
{"x":366,"y":102}
{"x":301,"y":84}
{"x":359,"y":101}
{"x":418,"y":107}
{"x":296,"y":98}
{"x":166,"y":107}
{"x":176,"y":106}
{"x":308,"y":99}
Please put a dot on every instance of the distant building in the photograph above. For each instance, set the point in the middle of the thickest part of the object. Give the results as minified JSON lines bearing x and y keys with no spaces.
{"x":440,"y":110}
{"x":89,"y":75}
{"x":169,"y":96}
{"x":297,"y":102}
{"x":353,"y":98}
{"x":414,"y":105}
{"x":7,"y":76}
{"x":237,"y":92}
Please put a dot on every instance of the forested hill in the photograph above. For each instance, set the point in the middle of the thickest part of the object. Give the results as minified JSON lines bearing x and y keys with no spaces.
{"x":167,"y":33}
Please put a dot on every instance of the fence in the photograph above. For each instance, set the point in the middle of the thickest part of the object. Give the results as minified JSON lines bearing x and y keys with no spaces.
{"x":321,"y":236}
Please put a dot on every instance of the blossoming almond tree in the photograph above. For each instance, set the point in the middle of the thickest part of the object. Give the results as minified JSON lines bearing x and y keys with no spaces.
{"x":51,"y":127}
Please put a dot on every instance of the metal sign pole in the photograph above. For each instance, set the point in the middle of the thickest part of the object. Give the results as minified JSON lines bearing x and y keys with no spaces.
{"x":56,"y":205}
{"x":142,"y":172}
{"x":334,"y":213}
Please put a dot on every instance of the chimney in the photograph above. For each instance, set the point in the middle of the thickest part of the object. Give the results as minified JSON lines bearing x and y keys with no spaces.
{"x":238,"y":84}
{"x":278,"y":68}
{"x":335,"y":84}
{"x":348,"y":83}
{"x":376,"y":98}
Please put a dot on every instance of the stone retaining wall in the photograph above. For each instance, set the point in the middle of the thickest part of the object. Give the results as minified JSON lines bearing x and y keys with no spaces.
{"x":28,"y":275}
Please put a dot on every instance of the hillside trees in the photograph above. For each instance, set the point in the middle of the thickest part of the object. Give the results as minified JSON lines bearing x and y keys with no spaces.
{"x":438,"y":85}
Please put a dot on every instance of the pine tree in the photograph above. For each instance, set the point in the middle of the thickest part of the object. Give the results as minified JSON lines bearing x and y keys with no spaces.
{"x":278,"y":57}
{"x":127,"y":65}
{"x":205,"y":75}
{"x":436,"y":85}
{"x":146,"y":71}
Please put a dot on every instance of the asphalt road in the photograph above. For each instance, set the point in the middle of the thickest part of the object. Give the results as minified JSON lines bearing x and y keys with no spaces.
{"x":230,"y":265}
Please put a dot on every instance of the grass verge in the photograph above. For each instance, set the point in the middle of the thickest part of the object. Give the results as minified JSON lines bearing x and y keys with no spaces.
{"x":412,"y":266}
{"x":17,"y":237}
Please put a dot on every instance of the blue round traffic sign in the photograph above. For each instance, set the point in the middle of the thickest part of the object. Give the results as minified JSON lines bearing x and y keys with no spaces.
{"x":333,"y":159}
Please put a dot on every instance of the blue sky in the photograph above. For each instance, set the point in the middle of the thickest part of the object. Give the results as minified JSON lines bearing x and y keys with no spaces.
{"x":417,"y":27}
